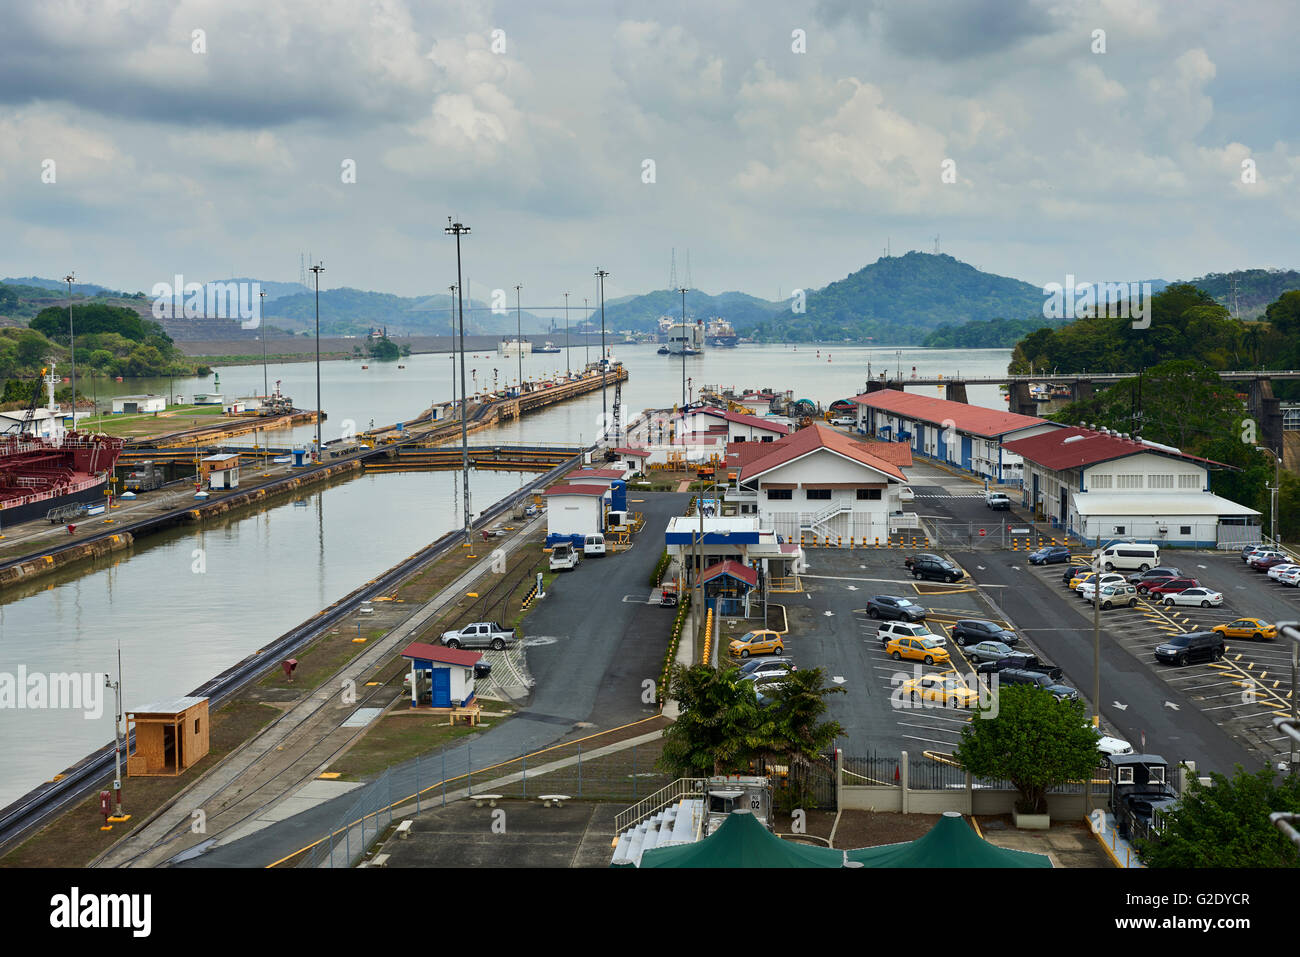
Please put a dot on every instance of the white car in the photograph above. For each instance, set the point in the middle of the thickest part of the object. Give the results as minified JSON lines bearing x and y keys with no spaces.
{"x":1276,"y":571}
{"x":890,"y":630}
{"x":1085,"y":589}
{"x":1291,"y":577}
{"x":905,"y":494}
{"x":1194,"y":596}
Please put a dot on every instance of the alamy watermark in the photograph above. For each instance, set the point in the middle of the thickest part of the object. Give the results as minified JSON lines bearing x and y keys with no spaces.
{"x":53,"y":690}
{"x":1111,"y":300}
{"x":214,"y":300}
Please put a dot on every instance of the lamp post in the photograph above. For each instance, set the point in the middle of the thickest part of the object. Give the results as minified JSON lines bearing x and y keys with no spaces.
{"x":316,"y":271}
{"x":682,"y":290}
{"x":604,"y":406}
{"x":261,"y":319}
{"x":1274,"y":491}
{"x":458,"y":230}
{"x":519,"y":336}
{"x":72,"y":348}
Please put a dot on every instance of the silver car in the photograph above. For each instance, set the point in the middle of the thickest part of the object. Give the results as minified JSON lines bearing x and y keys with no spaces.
{"x":988,"y":651}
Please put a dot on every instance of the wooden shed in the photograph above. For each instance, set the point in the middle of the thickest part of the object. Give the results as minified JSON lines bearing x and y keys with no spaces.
{"x":170,"y":736}
{"x":220,"y":470}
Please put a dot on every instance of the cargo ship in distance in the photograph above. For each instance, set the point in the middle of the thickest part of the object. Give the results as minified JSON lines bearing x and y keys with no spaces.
{"x":720,"y":334}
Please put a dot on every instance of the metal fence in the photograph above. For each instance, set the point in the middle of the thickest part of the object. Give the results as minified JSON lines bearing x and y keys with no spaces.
{"x":998,"y":533}
{"x":872,"y":770}
{"x":356,"y":828}
{"x":927,"y":774}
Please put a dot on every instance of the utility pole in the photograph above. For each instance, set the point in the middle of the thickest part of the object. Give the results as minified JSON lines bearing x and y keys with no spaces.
{"x":519,"y":336}
{"x":72,"y":347}
{"x":604,"y":403}
{"x":316,"y":271}
{"x":261,"y":319}
{"x":682,"y":290}
{"x":567,"y":372}
{"x":1274,"y":491}
{"x":118,"y":816}
{"x":458,"y":230}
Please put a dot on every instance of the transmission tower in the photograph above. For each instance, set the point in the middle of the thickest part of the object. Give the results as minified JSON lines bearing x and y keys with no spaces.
{"x":672,"y":271}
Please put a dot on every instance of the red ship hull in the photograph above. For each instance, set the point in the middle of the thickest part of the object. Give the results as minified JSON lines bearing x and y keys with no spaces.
{"x":38,"y":474}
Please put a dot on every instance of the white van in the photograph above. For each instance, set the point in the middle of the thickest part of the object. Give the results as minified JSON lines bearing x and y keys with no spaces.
{"x":1130,"y":556}
{"x":593,"y":545}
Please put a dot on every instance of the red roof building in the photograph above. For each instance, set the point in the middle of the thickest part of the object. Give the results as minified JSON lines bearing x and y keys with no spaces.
{"x":732,"y":568}
{"x":596,"y":490}
{"x":965,"y":418}
{"x":814,"y":438}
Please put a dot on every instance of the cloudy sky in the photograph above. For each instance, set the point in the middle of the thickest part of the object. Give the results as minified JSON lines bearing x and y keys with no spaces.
{"x":532,"y":122}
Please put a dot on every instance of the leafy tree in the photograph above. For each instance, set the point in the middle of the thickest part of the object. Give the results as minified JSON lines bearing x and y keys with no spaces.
{"x":712,"y":732}
{"x":32,"y":349}
{"x":1226,"y":824}
{"x":95,"y":317}
{"x":384,"y":349}
{"x":1035,"y":742}
{"x":792,"y":730}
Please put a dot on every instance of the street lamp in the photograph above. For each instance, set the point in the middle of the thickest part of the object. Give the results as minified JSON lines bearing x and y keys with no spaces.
{"x":567,"y":373}
{"x":261,"y":318}
{"x":316,"y":271}
{"x":682,"y":290}
{"x":519,"y":336}
{"x":458,"y":230}
{"x":586,"y":343}
{"x":604,"y":406}
{"x":1275,"y":490}
{"x":72,"y":348}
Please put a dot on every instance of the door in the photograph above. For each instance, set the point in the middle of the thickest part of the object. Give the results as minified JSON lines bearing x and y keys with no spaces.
{"x":965,"y":452}
{"x":442,"y":687}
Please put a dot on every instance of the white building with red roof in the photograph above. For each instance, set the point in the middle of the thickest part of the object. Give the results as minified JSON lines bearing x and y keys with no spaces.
{"x":965,"y":436}
{"x":1108,"y":485}
{"x":574,"y":511}
{"x":820,"y":482}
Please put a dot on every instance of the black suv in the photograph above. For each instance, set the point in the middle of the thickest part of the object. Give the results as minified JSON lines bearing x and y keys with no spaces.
{"x":1193,"y":646}
{"x":936,"y":569}
{"x":971,"y":631}
{"x":894,"y":609}
{"x":1021,"y":663}
{"x":1019,"y":676}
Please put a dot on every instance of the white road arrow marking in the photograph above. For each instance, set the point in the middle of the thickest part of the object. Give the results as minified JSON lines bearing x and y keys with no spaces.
{"x":1015,"y":568}
{"x":839,"y":679}
{"x":1171,"y":705}
{"x":980,"y":567}
{"x":1121,"y":707}
{"x":853,"y":587}
{"x":829,"y":614}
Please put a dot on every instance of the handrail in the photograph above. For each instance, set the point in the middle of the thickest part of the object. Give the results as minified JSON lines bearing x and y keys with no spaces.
{"x":669,"y":794}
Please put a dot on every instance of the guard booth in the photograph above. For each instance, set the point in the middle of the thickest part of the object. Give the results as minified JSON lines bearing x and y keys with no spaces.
{"x":727,"y":588}
{"x":170,"y":736}
{"x":220,"y":470}
{"x":1140,"y":791}
{"x":442,"y":680}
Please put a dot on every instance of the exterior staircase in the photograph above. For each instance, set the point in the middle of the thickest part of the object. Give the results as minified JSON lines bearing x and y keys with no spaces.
{"x":816,"y":521}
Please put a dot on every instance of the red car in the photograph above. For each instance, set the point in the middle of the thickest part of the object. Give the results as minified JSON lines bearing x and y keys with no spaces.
{"x":1172,"y":585}
{"x":1264,"y":564}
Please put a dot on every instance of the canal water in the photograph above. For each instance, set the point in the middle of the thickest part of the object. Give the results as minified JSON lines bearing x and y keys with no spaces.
{"x":187,"y":604}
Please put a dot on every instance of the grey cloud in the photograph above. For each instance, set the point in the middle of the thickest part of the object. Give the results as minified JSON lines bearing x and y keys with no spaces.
{"x":943,"y":29}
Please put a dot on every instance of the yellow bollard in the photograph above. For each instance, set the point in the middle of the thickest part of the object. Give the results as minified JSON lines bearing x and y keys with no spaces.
{"x":877,"y":542}
{"x":839,"y":542}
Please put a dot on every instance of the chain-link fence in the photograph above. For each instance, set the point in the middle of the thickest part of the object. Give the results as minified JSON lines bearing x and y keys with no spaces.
{"x":927,"y":774}
{"x":356,"y":828}
{"x":998,"y":533}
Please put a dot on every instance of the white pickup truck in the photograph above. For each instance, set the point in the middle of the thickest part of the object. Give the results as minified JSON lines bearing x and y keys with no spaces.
{"x":479,"y":634}
{"x":998,"y":500}
{"x":564,"y":557}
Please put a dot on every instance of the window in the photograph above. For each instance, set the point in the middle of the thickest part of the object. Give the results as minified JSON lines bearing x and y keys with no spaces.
{"x":196,"y":725}
{"x":868,"y":495}
{"x":1119,"y":529}
{"x":1160,"y":481}
{"x":768,"y":438}
{"x":779,"y":495}
{"x":1184,"y":529}
{"x":818,"y":494}
{"x":1100,"y":481}
{"x":1189,"y":481}
{"x":739,"y":438}
{"x":1128,"y":481}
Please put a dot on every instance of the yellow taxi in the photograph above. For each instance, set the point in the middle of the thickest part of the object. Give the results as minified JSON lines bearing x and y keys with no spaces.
{"x":1083,"y":576}
{"x":917,"y":649}
{"x":947,"y":690}
{"x":1257,"y":629}
{"x":763,"y":642}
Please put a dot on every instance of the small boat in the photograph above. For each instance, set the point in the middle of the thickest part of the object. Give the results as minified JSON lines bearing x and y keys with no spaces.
{"x":200,"y":494}
{"x":663,"y":350}
{"x":365,"y":367}
{"x":401,"y":367}
{"x":549,"y":347}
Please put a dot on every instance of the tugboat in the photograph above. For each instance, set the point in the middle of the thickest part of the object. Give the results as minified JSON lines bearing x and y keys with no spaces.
{"x":549,"y":348}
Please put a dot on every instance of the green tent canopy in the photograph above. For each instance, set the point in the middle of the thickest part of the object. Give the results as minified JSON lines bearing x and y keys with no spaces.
{"x":950,"y":843}
{"x":743,"y":841}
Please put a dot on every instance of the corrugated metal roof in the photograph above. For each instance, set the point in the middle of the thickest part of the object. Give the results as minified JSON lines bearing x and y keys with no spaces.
{"x":596,"y":490}
{"x":733,"y":568}
{"x":966,"y":418}
{"x":811,"y":439}
{"x":1074,"y":446}
{"x":167,"y":705}
{"x":1157,"y":504}
{"x":447,"y":656}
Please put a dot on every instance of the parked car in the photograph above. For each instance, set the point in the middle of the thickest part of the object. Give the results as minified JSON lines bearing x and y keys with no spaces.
{"x":936,"y":570}
{"x":889,"y":630}
{"x":479,"y":634}
{"x":1109,"y":747}
{"x":1138,"y":556}
{"x":948,"y":691}
{"x":1121,"y":594}
{"x":762,"y":666}
{"x":564,"y":557}
{"x":1195,"y":596}
{"x":1192,"y":646}
{"x":982,"y":651}
{"x":593,"y":545}
{"x":1278,"y":570}
{"x":1289,"y":577}
{"x":1072,"y":573}
{"x":1019,"y":676}
{"x":1256,"y":629}
{"x":766,"y":677}
{"x":970,"y":630}
{"x":844,"y":421}
{"x":909,"y":560}
{"x":1086,"y":585}
{"x":917,"y":649}
{"x":1263,"y":561}
{"x":1021,"y":663}
{"x":1170,"y":586}
{"x":892,"y":607}
{"x":762,"y":642}
{"x":1153,"y":576}
{"x":997,"y":500}
{"x":1050,"y":555}
{"x":1248,"y":550}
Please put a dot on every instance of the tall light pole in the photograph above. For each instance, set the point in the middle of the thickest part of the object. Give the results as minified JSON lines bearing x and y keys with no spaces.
{"x":316,"y":271}
{"x":519,"y":335}
{"x":458,"y":230}
{"x":72,"y":348}
{"x":604,"y":405}
{"x":567,"y":373}
{"x":682,"y":290}
{"x":261,"y":318}
{"x":1274,"y":491}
